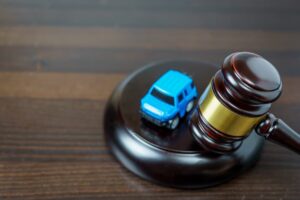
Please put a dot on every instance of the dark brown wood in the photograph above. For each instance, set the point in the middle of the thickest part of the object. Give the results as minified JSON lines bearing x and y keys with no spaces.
{"x":51,"y":137}
{"x":277,"y":131}
{"x":170,"y":158}
{"x":253,"y":77}
{"x":247,"y":84}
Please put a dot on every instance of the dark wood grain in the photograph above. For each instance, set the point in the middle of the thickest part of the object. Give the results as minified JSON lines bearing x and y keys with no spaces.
{"x":61,"y":59}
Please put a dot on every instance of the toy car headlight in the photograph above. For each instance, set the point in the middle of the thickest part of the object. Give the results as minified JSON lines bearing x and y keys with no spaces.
{"x":152,"y":109}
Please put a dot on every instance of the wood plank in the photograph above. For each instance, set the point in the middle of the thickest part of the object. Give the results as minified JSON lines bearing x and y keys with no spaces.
{"x":116,"y":182}
{"x":46,"y":85}
{"x":269,"y":5}
{"x":58,"y":119}
{"x":51,"y":131}
{"x":58,"y":85}
{"x":40,"y":130}
{"x":56,"y":59}
{"x":150,"y":38}
{"x":54,"y":149}
{"x":269,"y":15}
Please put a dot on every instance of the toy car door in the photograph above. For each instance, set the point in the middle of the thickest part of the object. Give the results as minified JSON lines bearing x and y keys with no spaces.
{"x":181,"y":104}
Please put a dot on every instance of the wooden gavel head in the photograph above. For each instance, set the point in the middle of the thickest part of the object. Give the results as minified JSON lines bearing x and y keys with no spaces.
{"x":236,"y":100}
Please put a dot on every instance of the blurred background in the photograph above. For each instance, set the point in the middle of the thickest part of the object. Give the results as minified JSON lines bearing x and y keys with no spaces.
{"x":61,"y":59}
{"x":122,"y":35}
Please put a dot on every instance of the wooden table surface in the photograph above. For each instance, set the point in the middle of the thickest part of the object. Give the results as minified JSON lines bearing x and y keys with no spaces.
{"x":61,"y":59}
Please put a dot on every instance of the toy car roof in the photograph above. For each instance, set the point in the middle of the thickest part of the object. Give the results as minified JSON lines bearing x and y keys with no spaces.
{"x":172,"y":82}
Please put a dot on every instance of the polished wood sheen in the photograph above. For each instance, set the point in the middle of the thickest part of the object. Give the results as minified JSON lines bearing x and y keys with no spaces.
{"x":251,"y":78}
{"x":236,"y":100}
{"x":277,"y":131}
{"x":247,"y":83}
{"x":170,"y":158}
{"x":61,"y":59}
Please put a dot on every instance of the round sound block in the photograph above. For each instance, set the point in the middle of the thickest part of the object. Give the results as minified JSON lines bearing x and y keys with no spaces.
{"x":163,"y":156}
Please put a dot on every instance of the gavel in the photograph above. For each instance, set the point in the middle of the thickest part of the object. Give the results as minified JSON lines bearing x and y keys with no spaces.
{"x":236,"y":102}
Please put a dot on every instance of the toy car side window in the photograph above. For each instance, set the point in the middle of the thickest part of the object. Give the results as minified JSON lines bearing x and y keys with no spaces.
{"x":192,"y":85}
{"x":185,"y":92}
{"x":180,"y":97}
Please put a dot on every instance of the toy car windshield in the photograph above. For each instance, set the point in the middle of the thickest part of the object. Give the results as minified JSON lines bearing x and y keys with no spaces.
{"x":163,"y":97}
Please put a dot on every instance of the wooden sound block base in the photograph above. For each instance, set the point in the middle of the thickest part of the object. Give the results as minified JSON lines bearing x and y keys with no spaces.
{"x":170,"y":158}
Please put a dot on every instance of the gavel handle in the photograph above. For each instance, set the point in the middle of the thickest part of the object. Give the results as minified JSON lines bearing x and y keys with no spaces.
{"x":277,"y":131}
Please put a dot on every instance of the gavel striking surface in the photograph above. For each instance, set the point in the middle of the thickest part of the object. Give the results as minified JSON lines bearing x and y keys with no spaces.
{"x":170,"y":158}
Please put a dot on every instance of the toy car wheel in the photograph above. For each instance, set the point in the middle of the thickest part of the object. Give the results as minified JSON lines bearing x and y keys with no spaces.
{"x":174,"y":123}
{"x":190,"y":106}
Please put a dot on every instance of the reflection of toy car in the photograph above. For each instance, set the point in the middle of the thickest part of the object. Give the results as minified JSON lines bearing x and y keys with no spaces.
{"x":169,"y":99}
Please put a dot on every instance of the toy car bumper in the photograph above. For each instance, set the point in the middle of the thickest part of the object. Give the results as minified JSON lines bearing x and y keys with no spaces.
{"x":152,"y":119}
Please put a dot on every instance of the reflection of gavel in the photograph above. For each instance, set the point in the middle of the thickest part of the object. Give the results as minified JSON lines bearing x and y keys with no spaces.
{"x":237,"y":101}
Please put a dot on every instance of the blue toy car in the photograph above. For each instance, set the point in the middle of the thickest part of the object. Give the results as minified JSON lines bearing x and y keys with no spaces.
{"x":169,"y":99}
